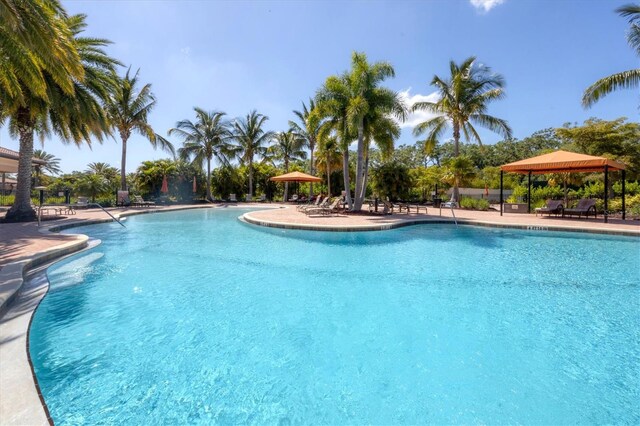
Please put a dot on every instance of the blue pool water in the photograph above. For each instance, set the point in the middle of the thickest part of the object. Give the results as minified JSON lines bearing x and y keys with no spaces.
{"x":196,"y":318}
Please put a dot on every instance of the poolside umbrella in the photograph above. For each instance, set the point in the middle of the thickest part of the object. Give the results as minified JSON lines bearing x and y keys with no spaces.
{"x":295,"y":177}
{"x":165,"y":185}
{"x":195,"y":188}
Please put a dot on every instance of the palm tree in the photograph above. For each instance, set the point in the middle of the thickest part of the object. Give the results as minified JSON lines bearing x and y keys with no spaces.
{"x":625,"y":79}
{"x":74,"y":116}
{"x":52,"y":163}
{"x":289,"y":146}
{"x":463,"y":100}
{"x":36,"y":43}
{"x":366,"y":100}
{"x":204,"y":140}
{"x":128,"y":109}
{"x":103,"y":169}
{"x":333,"y":104}
{"x":308,"y":128}
{"x":328,"y":154}
{"x":252,"y":140}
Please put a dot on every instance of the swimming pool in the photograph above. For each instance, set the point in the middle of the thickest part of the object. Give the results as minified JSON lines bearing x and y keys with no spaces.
{"x":194,"y":317}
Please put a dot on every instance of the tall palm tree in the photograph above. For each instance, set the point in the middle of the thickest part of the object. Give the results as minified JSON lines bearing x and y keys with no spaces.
{"x":75,"y":116}
{"x":463,"y":101}
{"x":128,"y":109}
{"x":252,"y":140}
{"x":36,"y":43}
{"x":103,"y":169}
{"x":328,"y":154}
{"x":625,"y":79}
{"x":204,"y":140}
{"x":308,"y":128}
{"x":289,"y":146}
{"x":365,"y":98}
{"x":333,"y":104}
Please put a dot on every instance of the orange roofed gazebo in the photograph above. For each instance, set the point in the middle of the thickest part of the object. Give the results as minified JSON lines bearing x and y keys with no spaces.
{"x":296,"y":177}
{"x":565,"y":162}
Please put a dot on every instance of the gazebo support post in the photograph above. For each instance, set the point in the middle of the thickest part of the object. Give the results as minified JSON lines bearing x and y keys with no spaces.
{"x":624,"y":207}
{"x":529,"y":193}
{"x":606,"y":194}
{"x":501,"y":177}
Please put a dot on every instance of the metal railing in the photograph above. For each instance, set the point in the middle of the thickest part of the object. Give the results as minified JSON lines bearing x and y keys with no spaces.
{"x":107,"y":212}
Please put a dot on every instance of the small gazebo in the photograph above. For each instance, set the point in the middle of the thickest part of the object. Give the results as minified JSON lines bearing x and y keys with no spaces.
{"x":565,"y":162}
{"x":295,"y":177}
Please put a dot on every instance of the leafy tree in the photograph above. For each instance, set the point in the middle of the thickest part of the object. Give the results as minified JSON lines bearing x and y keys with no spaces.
{"x":463,"y":101}
{"x":204,"y":140}
{"x":92,"y":185}
{"x":149,"y":175}
{"x":252,"y":140}
{"x":392,"y":180}
{"x":128,"y":109}
{"x":288,"y":147}
{"x":457,"y":172}
{"x":227,"y":180}
{"x":308,"y":128}
{"x":74,"y":113}
{"x":622,"y":80}
{"x":615,"y":138}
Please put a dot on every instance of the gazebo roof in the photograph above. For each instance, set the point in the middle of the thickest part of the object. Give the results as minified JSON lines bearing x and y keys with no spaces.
{"x":562,"y":162}
{"x":296,"y":177}
{"x":9,"y":160}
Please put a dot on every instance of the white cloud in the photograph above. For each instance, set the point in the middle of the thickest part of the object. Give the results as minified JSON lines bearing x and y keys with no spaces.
{"x":485,"y":5}
{"x":417,"y":117}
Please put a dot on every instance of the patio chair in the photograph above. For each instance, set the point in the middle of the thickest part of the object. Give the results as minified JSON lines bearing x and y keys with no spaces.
{"x":325,"y":210}
{"x":82,"y":202}
{"x":139,"y":201}
{"x":585,"y":206}
{"x":452,"y":203}
{"x":232,"y":198}
{"x":122,"y":199}
{"x":323,"y":204}
{"x":552,"y":207}
{"x":318,"y":202}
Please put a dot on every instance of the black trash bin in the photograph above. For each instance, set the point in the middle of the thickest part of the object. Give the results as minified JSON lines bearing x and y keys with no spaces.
{"x":436,"y":202}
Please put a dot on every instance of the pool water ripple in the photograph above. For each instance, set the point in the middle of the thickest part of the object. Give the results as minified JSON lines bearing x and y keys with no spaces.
{"x":196,"y":318}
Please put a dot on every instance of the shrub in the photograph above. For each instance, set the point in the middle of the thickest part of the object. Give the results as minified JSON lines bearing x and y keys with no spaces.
{"x":474,"y":204}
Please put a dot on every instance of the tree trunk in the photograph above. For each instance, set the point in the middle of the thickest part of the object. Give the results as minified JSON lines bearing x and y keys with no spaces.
{"x":311,"y":147}
{"x":365,"y":176}
{"x":357,"y":204}
{"x":21,"y":211}
{"x":123,"y":162}
{"x":251,"y":176}
{"x":286,"y":184}
{"x":455,"y":195}
{"x":347,"y":181}
{"x":328,"y":179}
{"x":209,"y":197}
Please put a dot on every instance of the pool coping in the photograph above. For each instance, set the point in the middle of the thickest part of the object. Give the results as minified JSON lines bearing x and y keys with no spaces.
{"x":25,"y":403}
{"x":15,"y":273}
{"x":247,"y":217}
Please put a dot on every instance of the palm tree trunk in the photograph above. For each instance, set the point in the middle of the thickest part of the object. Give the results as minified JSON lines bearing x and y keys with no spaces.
{"x":286,"y":184}
{"x":209,"y":197}
{"x":345,"y":172}
{"x":456,"y":146}
{"x":357,"y":205}
{"x":21,"y":210}
{"x":365,"y":177}
{"x":123,"y":163}
{"x":328,"y":178}
{"x":251,"y":176}
{"x":311,"y":146}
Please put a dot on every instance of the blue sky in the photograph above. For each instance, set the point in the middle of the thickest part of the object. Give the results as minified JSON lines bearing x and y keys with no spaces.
{"x":243,"y":55}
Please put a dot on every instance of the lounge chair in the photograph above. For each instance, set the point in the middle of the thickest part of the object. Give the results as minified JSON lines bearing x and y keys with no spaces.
{"x":232,"y":198}
{"x":585,"y":206}
{"x":552,"y":207}
{"x":293,"y":199}
{"x":325,"y":210}
{"x":82,"y":202}
{"x":390,"y":207}
{"x":139,"y":201}
{"x":452,"y":203}
{"x":318,"y":202}
{"x":122,"y":199}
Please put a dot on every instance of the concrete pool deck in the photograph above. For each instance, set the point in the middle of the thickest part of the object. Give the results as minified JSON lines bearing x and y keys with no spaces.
{"x":24,"y":246}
